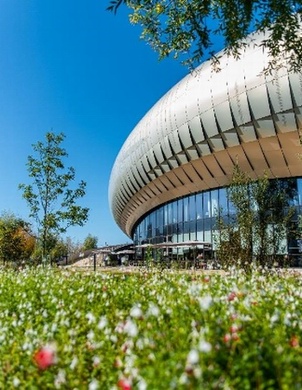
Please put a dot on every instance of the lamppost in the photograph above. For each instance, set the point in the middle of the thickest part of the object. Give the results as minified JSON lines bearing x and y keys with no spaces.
{"x":94,"y":260}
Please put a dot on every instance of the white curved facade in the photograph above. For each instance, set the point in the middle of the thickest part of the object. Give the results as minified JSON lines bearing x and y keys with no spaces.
{"x":191,"y":138}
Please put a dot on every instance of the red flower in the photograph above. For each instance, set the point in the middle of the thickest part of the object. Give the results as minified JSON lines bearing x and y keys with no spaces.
{"x":45,"y":357}
{"x":206,"y":279}
{"x":294,"y":342}
{"x":124,"y":384}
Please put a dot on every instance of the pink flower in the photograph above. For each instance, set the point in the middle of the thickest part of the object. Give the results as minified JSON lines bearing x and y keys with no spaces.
{"x":118,"y":363}
{"x":234,"y":328}
{"x":235,"y":336}
{"x":234,"y":316}
{"x":226,"y":338}
{"x":45,"y":356}
{"x":124,"y":384}
{"x":232,"y":296}
{"x":294,"y":342}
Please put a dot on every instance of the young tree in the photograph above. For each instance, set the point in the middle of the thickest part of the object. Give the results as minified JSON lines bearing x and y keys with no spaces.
{"x":235,"y":231}
{"x":16,"y":240}
{"x":90,"y":242}
{"x":51,"y":201}
{"x":190,"y":28}
{"x":61,"y":249}
{"x":260,"y":221}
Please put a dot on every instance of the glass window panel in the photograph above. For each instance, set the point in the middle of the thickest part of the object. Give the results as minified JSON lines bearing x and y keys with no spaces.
{"x":206,"y":205}
{"x":193,"y":236}
{"x":186,"y":209}
{"x":169,"y":213}
{"x":198,"y":206}
{"x":192,"y":208}
{"x":180,"y":232}
{"x":223,"y":201}
{"x":141,"y":232}
{"x":214,"y":203}
{"x":186,"y":237}
{"x":165,"y":212}
{"x":193,"y":230}
{"x":153,"y":222}
{"x":169,"y":221}
{"x":200,"y":235}
{"x":207,"y":236}
{"x":165,"y":230}
{"x":180,"y":210}
{"x":186,"y":227}
{"x":199,"y":223}
{"x":207,"y":224}
{"x":174,"y":228}
{"x":299,"y":185}
{"x":149,"y":229}
{"x":174,"y":211}
{"x":160,"y":221}
{"x":144,"y":229}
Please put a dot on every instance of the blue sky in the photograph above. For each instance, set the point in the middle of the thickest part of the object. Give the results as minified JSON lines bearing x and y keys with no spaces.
{"x":71,"y":66}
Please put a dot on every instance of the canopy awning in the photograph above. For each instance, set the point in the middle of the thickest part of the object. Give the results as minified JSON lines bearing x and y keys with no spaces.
{"x":170,"y":244}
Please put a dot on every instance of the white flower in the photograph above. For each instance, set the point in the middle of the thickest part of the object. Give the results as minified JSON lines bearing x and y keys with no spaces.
{"x":60,"y":379}
{"x":96,"y":361}
{"x":136,"y":312}
{"x":197,"y":372}
{"x":90,"y":317}
{"x":142,"y":385}
{"x":93,"y":385}
{"x":287,"y":318}
{"x":90,"y":335}
{"x":130,"y":328}
{"x":205,"y":302}
{"x":54,"y":327}
{"x":27,"y":347}
{"x":194,"y":289}
{"x":183,"y":380}
{"x":204,"y":346}
{"x":140,"y":344}
{"x":119,"y":327}
{"x":16,"y":382}
{"x":73,"y":363}
{"x":102,"y":323}
{"x":153,"y":310}
{"x":113,"y":338}
{"x":193,"y":357}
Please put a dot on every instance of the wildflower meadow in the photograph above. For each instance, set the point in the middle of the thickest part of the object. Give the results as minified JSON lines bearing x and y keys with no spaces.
{"x":64,"y":329}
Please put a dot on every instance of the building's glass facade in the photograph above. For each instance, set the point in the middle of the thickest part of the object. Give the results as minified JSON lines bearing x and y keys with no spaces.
{"x":194,"y":217}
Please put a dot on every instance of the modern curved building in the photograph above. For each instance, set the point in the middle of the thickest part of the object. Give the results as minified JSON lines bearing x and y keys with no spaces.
{"x":171,"y":173}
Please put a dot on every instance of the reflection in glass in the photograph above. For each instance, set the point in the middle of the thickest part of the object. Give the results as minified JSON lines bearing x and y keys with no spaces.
{"x":193,"y":217}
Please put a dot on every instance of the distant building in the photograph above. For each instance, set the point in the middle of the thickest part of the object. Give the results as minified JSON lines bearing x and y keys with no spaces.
{"x":171,"y":173}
